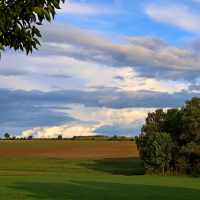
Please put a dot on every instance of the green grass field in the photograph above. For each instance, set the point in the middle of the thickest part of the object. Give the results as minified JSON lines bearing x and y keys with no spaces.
{"x":77,"y":179}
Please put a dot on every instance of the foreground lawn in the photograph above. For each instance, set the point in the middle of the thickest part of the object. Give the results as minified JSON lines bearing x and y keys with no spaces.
{"x":70,"y":179}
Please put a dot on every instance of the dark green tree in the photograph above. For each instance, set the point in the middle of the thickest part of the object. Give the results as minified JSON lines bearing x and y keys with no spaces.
{"x":156,"y":152}
{"x":183,"y":126}
{"x":30,"y":137}
{"x":59,"y":137}
{"x":114,"y":138}
{"x":7,"y":136}
{"x":18,"y":19}
{"x":191,"y":132}
{"x":173,"y":123}
{"x":153,"y":122}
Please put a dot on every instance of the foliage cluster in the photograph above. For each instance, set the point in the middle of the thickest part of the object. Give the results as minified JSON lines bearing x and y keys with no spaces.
{"x":170,"y":141}
{"x":18,"y":19}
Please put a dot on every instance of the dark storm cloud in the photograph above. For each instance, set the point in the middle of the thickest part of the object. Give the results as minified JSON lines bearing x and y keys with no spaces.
{"x":57,"y":76}
{"x":189,"y":76}
{"x":194,"y":87}
{"x":36,"y":108}
{"x":121,"y":78}
{"x":13,"y":72}
{"x":117,"y":130}
{"x":195,"y":45}
{"x":148,"y":42}
{"x":103,"y":87}
{"x":18,"y":72}
{"x":21,"y":112}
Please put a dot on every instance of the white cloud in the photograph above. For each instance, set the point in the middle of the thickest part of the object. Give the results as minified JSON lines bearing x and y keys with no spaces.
{"x":127,"y":117}
{"x":83,"y":9}
{"x":124,"y":118}
{"x":85,"y":46}
{"x":176,"y":15}
{"x":67,"y":131}
{"x":29,"y":132}
{"x":90,"y":75}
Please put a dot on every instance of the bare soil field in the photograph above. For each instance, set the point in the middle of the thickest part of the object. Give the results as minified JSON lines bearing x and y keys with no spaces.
{"x":69,"y":149}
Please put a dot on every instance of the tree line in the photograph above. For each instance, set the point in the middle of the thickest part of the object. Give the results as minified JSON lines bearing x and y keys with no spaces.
{"x":60,"y":137}
{"x":170,"y":141}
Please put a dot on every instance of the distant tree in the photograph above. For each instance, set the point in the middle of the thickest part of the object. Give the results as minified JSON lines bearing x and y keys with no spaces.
{"x":17,"y":20}
{"x":59,"y":137}
{"x":114,"y":138}
{"x":7,"y":136}
{"x":13,"y":137}
{"x":73,"y":138}
{"x":30,"y":137}
{"x":123,"y":137}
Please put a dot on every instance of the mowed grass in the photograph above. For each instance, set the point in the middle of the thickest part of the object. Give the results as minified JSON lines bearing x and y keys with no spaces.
{"x":77,"y":179}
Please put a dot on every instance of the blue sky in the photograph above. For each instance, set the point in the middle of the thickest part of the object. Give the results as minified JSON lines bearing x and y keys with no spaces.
{"x":102,"y":66}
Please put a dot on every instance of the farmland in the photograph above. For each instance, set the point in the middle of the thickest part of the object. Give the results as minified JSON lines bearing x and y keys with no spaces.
{"x":83,"y":170}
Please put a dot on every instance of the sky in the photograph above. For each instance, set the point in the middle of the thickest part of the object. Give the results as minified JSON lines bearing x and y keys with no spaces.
{"x":101,"y":67}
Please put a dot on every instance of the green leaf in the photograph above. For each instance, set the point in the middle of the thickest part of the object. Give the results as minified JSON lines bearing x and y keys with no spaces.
{"x":50,"y":8}
{"x":39,"y":23}
{"x":27,"y":10}
{"x":34,"y":44}
{"x":36,"y":31}
{"x":28,"y":38}
{"x":36,"y":41}
{"x":37,"y":10}
{"x":2,"y":27}
{"x":26,"y":47}
{"x":46,"y":14}
{"x":21,"y":47}
{"x":56,"y":5}
{"x":1,"y":33}
{"x":1,"y":47}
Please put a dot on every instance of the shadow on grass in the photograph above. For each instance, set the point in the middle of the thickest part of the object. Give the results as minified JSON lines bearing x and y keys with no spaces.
{"x":125,"y":167}
{"x":96,"y":190}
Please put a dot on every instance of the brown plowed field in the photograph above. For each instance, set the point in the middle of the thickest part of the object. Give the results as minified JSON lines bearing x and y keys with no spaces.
{"x":68,"y":149}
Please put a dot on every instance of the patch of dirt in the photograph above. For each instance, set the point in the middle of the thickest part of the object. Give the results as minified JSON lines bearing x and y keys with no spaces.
{"x":112,"y":151}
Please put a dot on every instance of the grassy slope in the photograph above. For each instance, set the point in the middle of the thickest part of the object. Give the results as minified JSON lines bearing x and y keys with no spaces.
{"x":35,"y":178}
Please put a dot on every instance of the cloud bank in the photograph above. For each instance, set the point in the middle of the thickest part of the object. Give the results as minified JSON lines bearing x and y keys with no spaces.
{"x":148,"y":56}
{"x":36,"y":108}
